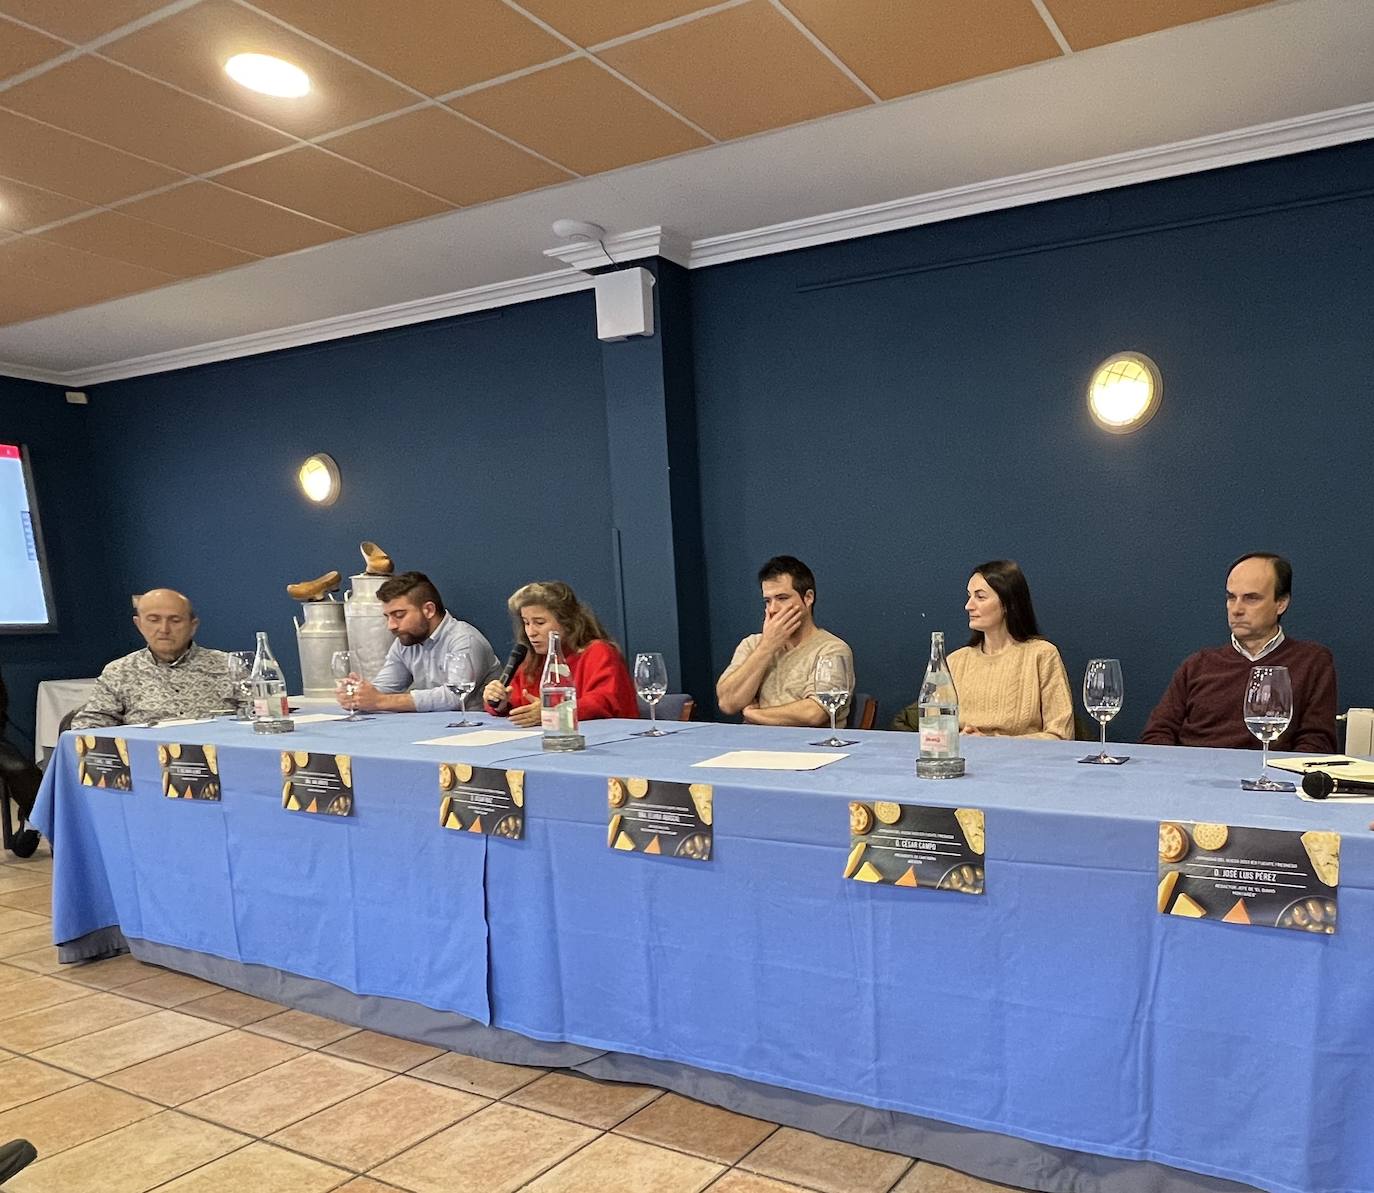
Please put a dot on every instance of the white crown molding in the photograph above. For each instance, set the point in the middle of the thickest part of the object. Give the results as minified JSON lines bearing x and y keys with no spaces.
{"x":1279,"y":139}
{"x":24,"y":373}
{"x":423,"y":310}
{"x":1259,"y":142}
{"x":626,"y":246}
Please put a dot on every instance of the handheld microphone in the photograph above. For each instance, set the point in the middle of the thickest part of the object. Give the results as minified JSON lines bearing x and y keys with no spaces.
{"x":513,"y":660}
{"x":1320,"y":784}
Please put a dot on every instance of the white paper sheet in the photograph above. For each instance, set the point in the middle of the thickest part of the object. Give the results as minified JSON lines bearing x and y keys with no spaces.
{"x":181,"y":721}
{"x":314,"y":718}
{"x":1338,"y":764}
{"x":771,"y":760}
{"x":479,"y":737}
{"x":1337,"y":799}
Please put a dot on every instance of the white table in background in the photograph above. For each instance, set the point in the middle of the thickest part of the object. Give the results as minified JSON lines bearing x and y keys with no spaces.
{"x":56,"y":698}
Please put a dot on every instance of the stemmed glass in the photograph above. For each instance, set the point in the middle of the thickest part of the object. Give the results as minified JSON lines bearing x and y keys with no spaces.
{"x":833,"y":685}
{"x":651,"y":682}
{"x":240,"y":664}
{"x":462,"y":680}
{"x":1103,"y":694}
{"x":1268,"y":711}
{"x":341,"y":664}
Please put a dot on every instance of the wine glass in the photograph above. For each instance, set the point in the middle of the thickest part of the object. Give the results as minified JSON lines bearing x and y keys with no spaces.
{"x":1103,"y":694}
{"x":341,"y":665}
{"x":240,"y":664}
{"x":1268,"y":711}
{"x":651,"y":682}
{"x":462,"y":679}
{"x":833,"y":685}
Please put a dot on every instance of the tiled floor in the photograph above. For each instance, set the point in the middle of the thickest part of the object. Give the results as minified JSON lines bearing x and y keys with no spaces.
{"x":130,"y":1078}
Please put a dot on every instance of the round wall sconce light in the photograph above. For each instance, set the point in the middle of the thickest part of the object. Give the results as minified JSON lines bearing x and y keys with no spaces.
{"x":1124,"y":392}
{"x":319,"y":479}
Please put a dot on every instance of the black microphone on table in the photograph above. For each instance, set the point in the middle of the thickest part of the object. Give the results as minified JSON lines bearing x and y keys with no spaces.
{"x":513,"y":660}
{"x":1319,"y":784}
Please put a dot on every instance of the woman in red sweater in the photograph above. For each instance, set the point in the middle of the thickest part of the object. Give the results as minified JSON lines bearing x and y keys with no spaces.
{"x":604,"y":686}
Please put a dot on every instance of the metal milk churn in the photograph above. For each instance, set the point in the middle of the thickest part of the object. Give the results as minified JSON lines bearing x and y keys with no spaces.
{"x":318,"y":637}
{"x":368,"y":636}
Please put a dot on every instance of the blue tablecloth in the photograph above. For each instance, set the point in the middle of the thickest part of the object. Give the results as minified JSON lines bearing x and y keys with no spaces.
{"x":1059,"y":1007}
{"x":381,"y":902}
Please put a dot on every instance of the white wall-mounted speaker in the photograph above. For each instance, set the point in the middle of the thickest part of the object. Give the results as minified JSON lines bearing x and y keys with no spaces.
{"x":624,"y":304}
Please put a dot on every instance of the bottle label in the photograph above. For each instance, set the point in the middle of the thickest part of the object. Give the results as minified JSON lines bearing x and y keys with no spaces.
{"x":269,"y":708}
{"x":935,"y":741}
{"x":559,"y":719}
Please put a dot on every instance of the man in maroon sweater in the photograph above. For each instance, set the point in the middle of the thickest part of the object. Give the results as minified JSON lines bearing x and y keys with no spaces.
{"x":1203,"y":706}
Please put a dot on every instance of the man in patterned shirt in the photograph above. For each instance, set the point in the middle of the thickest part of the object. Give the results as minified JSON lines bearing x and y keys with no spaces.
{"x":170,"y":679}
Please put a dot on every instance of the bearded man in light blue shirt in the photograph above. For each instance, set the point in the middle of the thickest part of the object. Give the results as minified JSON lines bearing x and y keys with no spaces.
{"x":414,"y":676}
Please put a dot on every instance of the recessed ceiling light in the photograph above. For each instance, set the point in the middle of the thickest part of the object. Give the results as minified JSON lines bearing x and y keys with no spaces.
{"x":271,"y":76}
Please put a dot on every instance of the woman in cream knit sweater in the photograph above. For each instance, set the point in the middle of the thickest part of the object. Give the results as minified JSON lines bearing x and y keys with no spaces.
{"x":1011,"y":682}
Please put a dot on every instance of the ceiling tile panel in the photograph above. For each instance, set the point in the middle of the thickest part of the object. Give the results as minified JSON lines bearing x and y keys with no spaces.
{"x":79,"y":20}
{"x":331,"y":189}
{"x":1088,"y":23}
{"x":189,"y":50}
{"x":23,"y":206}
{"x":228,"y":217}
{"x":581,"y":117}
{"x":899,"y":47}
{"x":136,"y":242}
{"x":444,"y":154}
{"x":436,"y":46}
{"x":22,"y":48}
{"x":32,"y":303}
{"x":58,"y":161}
{"x":34,"y":299}
{"x":589,"y":22}
{"x":108,"y":103}
{"x":738,"y":72}
{"x":83,"y":277}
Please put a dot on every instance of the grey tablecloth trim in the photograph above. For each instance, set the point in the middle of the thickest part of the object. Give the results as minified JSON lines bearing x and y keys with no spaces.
{"x":984,"y":1154}
{"x":103,"y":942}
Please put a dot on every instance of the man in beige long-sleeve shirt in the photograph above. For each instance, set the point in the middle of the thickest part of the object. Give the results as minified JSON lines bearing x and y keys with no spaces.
{"x":772,"y":678}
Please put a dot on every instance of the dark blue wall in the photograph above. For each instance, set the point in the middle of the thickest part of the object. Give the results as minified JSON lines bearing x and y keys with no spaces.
{"x":473,"y":449}
{"x":897,"y":409}
{"x":57,"y":436}
{"x":893,"y":410}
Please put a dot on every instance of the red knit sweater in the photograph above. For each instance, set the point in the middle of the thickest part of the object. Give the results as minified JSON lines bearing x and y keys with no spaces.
{"x":603,"y":683}
{"x":1203,"y":705}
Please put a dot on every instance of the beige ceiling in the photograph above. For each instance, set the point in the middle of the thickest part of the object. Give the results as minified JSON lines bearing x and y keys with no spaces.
{"x":129,"y":160}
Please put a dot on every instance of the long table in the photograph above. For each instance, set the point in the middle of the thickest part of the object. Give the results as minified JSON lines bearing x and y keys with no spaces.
{"x":1058,"y":1008}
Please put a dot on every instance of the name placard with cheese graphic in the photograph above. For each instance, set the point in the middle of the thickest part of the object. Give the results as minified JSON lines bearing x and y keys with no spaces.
{"x":103,"y":762}
{"x":320,"y":783}
{"x":659,"y":817}
{"x":1269,"y":878}
{"x":912,"y":845}
{"x":189,"y":771}
{"x":482,"y":799}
